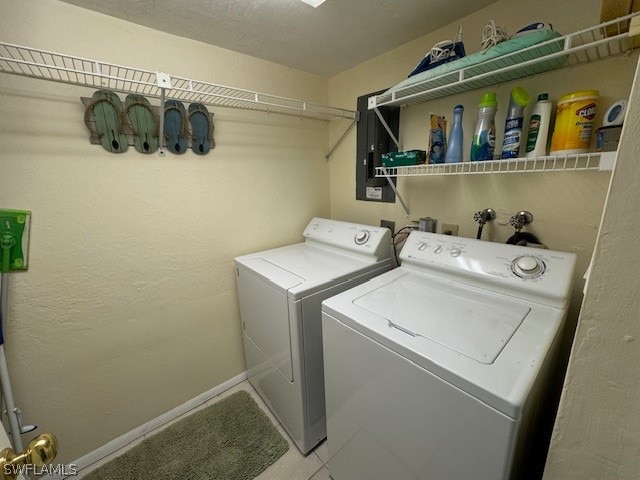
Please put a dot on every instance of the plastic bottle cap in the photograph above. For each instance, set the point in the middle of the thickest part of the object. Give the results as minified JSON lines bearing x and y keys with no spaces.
{"x":520,"y":96}
{"x":543,"y":96}
{"x":488,"y":100}
{"x":579,"y":95}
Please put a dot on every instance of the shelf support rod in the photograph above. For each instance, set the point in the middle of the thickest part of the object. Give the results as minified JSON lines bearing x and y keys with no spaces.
{"x":386,"y":127}
{"x":344,"y":135}
{"x":161,"y":151}
{"x":395,"y":190}
{"x":163,"y":81}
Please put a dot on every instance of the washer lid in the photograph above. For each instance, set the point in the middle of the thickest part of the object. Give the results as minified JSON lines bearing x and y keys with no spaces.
{"x":461,"y":318}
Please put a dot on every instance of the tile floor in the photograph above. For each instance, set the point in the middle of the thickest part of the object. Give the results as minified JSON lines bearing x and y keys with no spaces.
{"x":291,"y":466}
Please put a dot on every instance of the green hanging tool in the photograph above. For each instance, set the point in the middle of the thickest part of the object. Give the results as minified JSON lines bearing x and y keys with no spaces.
{"x":14,"y":243}
{"x":14,"y":239}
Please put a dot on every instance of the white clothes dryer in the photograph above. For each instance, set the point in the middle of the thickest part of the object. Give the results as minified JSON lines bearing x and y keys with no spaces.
{"x":439,"y":368}
{"x":280,"y":293}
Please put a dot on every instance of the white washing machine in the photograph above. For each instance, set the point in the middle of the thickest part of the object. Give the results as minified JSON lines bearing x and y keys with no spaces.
{"x":437,"y":369}
{"x":280,"y":293}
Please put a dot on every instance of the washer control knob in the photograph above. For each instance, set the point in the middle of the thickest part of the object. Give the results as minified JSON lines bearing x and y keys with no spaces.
{"x":361,"y":237}
{"x":438,"y":249}
{"x":455,"y":252}
{"x":527,"y":264}
{"x":422,"y":246}
{"x":315,"y":226}
{"x":527,"y":267}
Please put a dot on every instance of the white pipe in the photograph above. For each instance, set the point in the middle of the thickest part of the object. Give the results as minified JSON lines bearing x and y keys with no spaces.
{"x":8,"y":400}
{"x":4,"y":300}
{"x":7,"y":393}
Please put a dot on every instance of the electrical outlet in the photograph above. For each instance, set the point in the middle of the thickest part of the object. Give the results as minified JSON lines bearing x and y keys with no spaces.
{"x":450,"y":229}
{"x":389,"y":224}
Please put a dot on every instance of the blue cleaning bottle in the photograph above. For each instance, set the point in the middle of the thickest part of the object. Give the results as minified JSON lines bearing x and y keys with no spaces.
{"x":454,"y":150}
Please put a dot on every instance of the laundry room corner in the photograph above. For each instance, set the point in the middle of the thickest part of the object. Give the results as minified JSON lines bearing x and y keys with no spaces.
{"x":129,"y":306}
{"x":568,"y":213}
{"x":568,"y":206}
{"x":319,"y":239}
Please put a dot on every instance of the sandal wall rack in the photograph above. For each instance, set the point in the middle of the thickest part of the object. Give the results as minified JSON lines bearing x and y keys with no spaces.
{"x":62,"y":68}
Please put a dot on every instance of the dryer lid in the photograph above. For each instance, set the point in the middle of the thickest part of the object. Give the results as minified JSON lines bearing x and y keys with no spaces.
{"x":463,"y":319}
{"x":277,"y":276}
{"x":302,"y":269}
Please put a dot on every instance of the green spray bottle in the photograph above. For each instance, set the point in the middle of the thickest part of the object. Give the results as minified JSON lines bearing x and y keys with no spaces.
{"x":484,"y":136}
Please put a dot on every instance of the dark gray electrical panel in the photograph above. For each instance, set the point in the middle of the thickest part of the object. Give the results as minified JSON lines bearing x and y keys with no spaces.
{"x":373,"y":140}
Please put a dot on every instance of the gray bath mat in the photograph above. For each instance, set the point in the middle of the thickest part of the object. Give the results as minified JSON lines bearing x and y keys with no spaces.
{"x":232,"y":439}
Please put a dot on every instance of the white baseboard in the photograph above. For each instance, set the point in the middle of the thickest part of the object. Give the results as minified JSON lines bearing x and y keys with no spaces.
{"x":122,"y":441}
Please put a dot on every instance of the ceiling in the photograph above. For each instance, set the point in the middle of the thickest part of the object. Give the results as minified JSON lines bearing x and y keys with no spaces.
{"x":337,"y":35}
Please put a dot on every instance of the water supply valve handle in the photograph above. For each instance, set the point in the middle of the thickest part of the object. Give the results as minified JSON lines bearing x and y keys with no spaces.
{"x":40,"y":451}
{"x":484,"y":216}
{"x":521,"y":219}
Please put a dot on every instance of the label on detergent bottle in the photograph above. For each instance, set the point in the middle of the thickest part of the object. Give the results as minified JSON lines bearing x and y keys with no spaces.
{"x":437,"y":139}
{"x":512,"y":134}
{"x":484,"y":145}
{"x":585,"y":127}
{"x":437,"y":150}
{"x":534,"y":130}
{"x":588,"y":111}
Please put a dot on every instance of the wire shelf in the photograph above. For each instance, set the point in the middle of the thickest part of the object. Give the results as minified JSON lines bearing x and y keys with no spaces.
{"x":585,"y":46}
{"x":603,"y":161}
{"x":58,"y":67}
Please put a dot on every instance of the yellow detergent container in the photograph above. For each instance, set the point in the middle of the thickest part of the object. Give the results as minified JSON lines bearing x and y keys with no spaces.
{"x":574,"y":122}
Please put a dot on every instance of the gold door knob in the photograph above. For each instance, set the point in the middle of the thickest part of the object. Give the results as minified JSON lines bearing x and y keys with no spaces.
{"x":40,"y":451}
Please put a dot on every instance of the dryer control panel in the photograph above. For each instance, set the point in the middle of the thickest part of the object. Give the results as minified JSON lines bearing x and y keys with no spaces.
{"x":354,"y":237}
{"x":541,"y":275}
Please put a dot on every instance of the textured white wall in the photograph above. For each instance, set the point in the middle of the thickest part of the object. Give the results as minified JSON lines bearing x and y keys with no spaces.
{"x":129,"y":306}
{"x":597,"y":434}
{"x":567,"y":207}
